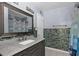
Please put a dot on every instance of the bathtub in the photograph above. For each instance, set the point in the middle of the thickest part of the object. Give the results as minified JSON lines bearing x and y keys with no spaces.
{"x":55,"y":52}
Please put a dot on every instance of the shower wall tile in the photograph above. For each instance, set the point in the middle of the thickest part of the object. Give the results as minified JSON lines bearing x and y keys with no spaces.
{"x":57,"y":38}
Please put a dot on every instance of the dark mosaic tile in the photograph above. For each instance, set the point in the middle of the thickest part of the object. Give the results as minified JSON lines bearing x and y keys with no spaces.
{"x":57,"y":38}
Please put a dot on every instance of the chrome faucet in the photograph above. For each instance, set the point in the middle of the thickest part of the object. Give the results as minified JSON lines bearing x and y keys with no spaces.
{"x":25,"y":37}
{"x":20,"y":39}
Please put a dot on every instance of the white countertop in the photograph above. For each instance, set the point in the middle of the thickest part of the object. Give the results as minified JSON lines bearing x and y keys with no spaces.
{"x":11,"y":47}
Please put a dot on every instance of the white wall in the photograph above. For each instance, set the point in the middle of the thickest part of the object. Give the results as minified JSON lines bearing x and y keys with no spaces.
{"x":40,"y":25}
{"x":58,"y":16}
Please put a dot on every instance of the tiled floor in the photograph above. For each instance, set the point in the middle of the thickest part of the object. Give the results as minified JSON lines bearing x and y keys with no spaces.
{"x":55,"y":52}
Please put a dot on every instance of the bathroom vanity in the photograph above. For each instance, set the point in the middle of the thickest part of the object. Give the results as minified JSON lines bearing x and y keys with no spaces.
{"x":14,"y":48}
{"x":14,"y":21}
{"x":37,"y":49}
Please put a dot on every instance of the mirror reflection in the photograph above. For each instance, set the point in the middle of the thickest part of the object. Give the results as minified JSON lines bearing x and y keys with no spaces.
{"x":19,"y":22}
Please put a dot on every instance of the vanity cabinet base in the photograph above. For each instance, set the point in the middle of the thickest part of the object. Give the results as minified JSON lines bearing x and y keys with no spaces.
{"x":35,"y":50}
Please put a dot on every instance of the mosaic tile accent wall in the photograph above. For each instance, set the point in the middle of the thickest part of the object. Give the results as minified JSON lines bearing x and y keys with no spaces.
{"x":57,"y":38}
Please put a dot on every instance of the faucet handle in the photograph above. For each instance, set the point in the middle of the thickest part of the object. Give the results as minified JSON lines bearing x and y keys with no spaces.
{"x":20,"y":38}
{"x":25,"y":37}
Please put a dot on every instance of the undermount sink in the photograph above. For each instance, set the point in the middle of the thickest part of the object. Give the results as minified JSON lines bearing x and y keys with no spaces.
{"x":26,"y":42}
